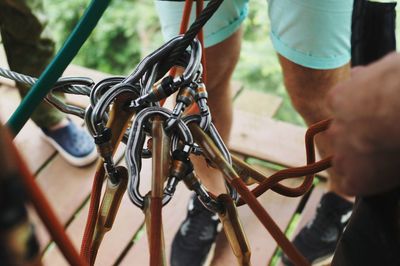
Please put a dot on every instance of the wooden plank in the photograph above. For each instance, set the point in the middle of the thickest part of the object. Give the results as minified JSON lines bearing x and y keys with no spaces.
{"x":263,"y":104}
{"x":173,"y":215}
{"x":30,"y":142}
{"x":309,"y":210}
{"x":268,"y":139}
{"x":280,"y":208}
{"x":33,"y":148}
{"x":261,"y":137}
{"x":65,"y":187}
{"x":128,"y":221}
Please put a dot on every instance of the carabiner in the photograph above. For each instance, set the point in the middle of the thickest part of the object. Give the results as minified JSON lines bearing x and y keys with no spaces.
{"x":134,"y":148}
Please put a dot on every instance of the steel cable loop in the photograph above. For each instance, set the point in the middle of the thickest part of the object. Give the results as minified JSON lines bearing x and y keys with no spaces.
{"x":65,"y":108}
{"x":68,"y":85}
{"x":61,"y":84}
{"x":100,"y":87}
{"x":74,"y":85}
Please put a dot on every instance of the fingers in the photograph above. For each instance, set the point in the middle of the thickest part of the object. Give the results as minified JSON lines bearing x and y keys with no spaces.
{"x":363,"y":108}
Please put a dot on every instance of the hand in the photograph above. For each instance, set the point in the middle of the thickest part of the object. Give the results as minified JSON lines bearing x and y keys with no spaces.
{"x":366,"y":128}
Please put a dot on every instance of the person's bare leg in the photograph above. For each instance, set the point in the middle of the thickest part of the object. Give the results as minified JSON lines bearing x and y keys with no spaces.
{"x":308,"y":89}
{"x":219,"y":72}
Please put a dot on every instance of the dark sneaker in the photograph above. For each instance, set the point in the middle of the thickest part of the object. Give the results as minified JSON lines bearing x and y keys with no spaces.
{"x":317,"y":240}
{"x":195,"y":236}
{"x":73,"y":143}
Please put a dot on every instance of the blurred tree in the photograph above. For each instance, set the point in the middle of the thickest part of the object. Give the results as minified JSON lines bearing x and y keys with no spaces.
{"x":127,"y":31}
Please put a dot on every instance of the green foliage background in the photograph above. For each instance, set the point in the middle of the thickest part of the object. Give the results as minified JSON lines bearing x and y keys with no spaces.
{"x":129,"y":30}
{"x":126,"y":32}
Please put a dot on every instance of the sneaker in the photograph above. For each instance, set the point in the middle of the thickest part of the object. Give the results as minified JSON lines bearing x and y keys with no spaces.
{"x":195,"y":236}
{"x":73,"y":143}
{"x":317,"y":240}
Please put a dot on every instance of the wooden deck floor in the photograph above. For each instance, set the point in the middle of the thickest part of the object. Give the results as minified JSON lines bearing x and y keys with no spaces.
{"x":256,"y":135}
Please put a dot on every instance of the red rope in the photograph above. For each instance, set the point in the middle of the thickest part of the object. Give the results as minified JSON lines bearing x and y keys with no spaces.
{"x":44,"y":210}
{"x":186,"y":16}
{"x":193,"y":109}
{"x":309,"y":170}
{"x":95,"y":196}
{"x":184,"y":25}
{"x":199,"y":8}
{"x":269,"y":224}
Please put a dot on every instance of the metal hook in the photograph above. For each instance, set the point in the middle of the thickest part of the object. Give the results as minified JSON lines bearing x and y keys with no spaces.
{"x":134,"y":147}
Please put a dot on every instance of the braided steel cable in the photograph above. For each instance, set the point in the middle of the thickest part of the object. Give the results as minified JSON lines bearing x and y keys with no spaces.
{"x":28,"y":80}
{"x":188,"y":37}
{"x":17,"y":76}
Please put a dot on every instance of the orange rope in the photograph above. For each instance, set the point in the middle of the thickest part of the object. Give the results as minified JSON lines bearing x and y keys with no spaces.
{"x":186,"y":16}
{"x":194,"y":109}
{"x":184,"y":25}
{"x":44,"y":210}
{"x":262,"y":215}
{"x":95,"y":196}
{"x":199,"y":8}
{"x":312,"y":167}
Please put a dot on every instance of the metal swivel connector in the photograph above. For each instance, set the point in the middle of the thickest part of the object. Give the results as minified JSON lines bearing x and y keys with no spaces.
{"x":181,"y":165}
{"x":167,"y":87}
{"x":183,"y":100}
{"x":105,"y":149}
{"x":201,"y":97}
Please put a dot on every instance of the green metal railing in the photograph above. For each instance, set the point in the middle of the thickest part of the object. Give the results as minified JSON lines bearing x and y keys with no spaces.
{"x":57,"y":66}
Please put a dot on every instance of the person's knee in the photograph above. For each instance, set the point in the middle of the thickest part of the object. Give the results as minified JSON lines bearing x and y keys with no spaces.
{"x":308,"y":88}
{"x":311,"y":109}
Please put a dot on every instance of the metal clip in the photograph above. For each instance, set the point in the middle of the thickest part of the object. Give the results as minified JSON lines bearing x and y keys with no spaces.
{"x":135,"y":145}
{"x":109,"y":208}
{"x":234,"y":230}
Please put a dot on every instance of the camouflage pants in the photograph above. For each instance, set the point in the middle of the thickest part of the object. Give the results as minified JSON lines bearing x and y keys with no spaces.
{"x":29,"y":48}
